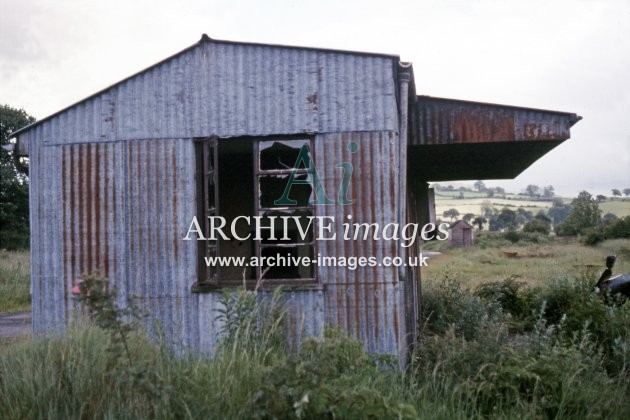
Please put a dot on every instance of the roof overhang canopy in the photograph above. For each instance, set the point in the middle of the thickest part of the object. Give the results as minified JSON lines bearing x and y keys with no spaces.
{"x":457,"y":140}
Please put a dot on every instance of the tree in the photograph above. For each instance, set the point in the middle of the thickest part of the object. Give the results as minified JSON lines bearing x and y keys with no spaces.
{"x":537,"y":226}
{"x":559,"y":211}
{"x":507,"y":218}
{"x":452,"y":213}
{"x":608,"y":218}
{"x":486,"y":208}
{"x":585,"y":214}
{"x":490,"y":193}
{"x":532,"y":190}
{"x":479,"y":221}
{"x":626,"y":191}
{"x":542,"y":216}
{"x":499,"y":190}
{"x":616,"y":192}
{"x":548,"y":191}
{"x":600,"y":198}
{"x":523,"y":216}
{"x":480,"y":186}
{"x":468,"y":217}
{"x":13,"y":182}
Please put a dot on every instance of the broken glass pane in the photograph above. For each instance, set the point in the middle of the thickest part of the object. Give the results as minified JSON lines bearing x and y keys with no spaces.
{"x":281,"y":154}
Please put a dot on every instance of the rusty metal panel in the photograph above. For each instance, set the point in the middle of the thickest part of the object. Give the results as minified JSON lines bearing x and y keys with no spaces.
{"x":368,"y":312}
{"x":372,"y":185}
{"x":118,"y":208}
{"x":232,"y":89}
{"x":448,"y":121}
{"x":365,"y":302}
{"x":159,"y":203}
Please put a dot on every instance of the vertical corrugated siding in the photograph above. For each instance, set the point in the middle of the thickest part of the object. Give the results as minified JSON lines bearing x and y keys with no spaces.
{"x":113,"y":185}
{"x":123,"y":207}
{"x":363,"y":301}
{"x":115,"y":208}
{"x":234,"y":90}
{"x":46,"y":230}
{"x":160,"y":203}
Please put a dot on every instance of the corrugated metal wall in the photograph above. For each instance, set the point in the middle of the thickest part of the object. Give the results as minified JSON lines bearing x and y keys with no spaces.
{"x":113,"y":185}
{"x":363,"y":301}
{"x":235,"y":90}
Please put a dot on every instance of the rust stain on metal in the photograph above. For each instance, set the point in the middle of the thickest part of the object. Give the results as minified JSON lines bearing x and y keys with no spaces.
{"x":105,"y":203}
{"x":312,"y":99}
{"x":68,"y":279}
{"x":72,"y":222}
{"x":97,"y":182}
{"x":449,"y":121}
{"x":476,"y":125}
{"x":86,"y":203}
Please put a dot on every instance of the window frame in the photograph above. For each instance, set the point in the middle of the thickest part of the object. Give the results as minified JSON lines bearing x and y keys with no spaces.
{"x":207,"y":281}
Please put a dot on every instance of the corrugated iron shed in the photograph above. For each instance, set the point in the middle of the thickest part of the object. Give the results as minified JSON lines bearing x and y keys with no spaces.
{"x":114,"y":184}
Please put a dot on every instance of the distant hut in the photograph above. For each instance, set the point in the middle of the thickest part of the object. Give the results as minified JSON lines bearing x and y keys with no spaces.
{"x":461,"y":234}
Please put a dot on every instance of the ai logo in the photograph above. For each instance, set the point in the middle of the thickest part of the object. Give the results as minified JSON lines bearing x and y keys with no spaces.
{"x":305,"y":160}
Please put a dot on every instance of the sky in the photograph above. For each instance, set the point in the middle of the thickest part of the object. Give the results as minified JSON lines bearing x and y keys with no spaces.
{"x":571,"y":56}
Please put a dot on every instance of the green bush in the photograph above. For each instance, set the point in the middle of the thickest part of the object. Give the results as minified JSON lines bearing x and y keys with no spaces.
{"x":515,"y":299}
{"x":537,"y":226}
{"x":14,"y":240}
{"x":619,"y":228}
{"x":331,"y":377}
{"x":592,"y":236}
{"x":446,"y":305}
{"x":534,"y":376}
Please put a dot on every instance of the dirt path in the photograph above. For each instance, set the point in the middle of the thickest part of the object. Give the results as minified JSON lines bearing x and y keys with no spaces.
{"x":15,"y":325}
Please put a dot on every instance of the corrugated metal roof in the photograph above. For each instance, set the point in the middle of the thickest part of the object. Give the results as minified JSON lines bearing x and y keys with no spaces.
{"x":452,"y":121}
{"x":202,"y":44}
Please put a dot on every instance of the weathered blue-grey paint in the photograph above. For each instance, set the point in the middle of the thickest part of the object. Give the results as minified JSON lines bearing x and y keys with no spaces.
{"x":113,"y":184}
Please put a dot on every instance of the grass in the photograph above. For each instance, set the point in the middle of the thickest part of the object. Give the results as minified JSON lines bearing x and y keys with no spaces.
{"x":469,"y":366}
{"x":543,"y":348}
{"x":534,"y":263}
{"x":14,"y":281}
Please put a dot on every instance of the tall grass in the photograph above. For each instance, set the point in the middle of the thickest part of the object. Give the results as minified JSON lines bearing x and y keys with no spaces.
{"x":569,"y":360}
{"x":14,"y":281}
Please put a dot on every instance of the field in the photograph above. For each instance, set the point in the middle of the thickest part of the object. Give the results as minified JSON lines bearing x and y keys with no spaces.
{"x":14,"y":281}
{"x":619,"y":208}
{"x":473,"y":201}
{"x":533,"y":264}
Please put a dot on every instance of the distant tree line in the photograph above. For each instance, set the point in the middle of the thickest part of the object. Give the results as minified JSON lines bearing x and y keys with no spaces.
{"x":532,"y":191}
{"x":14,"y":215}
{"x":581,"y":217}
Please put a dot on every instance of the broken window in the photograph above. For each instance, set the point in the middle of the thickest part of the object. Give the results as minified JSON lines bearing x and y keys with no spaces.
{"x":245,"y":178}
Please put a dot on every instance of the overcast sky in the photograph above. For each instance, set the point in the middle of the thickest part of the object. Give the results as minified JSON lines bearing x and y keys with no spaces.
{"x":569,"y":55}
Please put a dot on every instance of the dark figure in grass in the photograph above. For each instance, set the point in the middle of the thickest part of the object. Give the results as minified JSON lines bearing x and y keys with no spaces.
{"x":613,"y":285}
